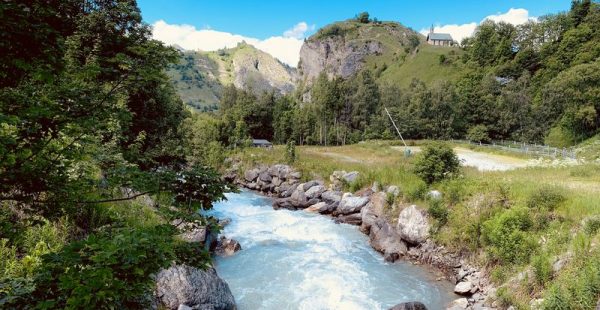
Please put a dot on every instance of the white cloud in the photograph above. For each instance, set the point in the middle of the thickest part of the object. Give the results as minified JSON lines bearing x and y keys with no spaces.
{"x":459,"y":32}
{"x":298,"y":31}
{"x":286,"y":48}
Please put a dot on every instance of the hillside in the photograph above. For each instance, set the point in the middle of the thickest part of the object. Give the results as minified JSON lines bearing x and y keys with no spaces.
{"x":395,"y":53}
{"x":200,"y":76}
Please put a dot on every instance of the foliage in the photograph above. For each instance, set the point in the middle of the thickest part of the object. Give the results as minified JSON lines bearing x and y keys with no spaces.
{"x":478,"y":133}
{"x":436,"y":162}
{"x":542,"y":269}
{"x":438,"y":211}
{"x":506,"y":235}
{"x":546,"y":198}
{"x":290,"y":152}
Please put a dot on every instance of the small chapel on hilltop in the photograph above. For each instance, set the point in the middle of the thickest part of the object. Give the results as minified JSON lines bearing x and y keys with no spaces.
{"x":439,"y":39}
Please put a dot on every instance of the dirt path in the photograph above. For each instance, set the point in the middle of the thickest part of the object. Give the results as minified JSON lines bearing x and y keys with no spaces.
{"x":481,"y":161}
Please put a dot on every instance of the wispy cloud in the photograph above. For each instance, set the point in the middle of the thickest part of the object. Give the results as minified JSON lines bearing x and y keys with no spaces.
{"x":286,"y":47}
{"x":459,"y":32}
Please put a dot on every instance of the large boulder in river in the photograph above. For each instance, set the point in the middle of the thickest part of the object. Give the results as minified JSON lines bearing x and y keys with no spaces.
{"x":411,"y":305}
{"x":199,"y":289}
{"x":227,"y":247}
{"x":384,"y":238}
{"x":373,"y":210}
{"x":350,"y":204}
{"x":413,"y":225}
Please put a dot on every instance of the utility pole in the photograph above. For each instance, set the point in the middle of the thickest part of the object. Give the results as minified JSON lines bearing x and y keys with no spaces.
{"x":406,"y":150}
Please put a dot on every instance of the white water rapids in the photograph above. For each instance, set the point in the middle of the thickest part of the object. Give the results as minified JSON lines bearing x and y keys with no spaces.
{"x":300,"y":260}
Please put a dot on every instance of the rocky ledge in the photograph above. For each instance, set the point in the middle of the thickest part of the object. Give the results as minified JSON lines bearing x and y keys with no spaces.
{"x":408,"y":238}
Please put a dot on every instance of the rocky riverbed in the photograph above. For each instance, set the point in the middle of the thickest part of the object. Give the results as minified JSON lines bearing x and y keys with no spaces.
{"x":407,"y":238}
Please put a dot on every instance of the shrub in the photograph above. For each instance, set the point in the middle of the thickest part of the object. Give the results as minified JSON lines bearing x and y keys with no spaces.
{"x":438,"y":211}
{"x":108,"y":270}
{"x":436,"y":162}
{"x":546,"y":198}
{"x":290,"y":152}
{"x":542,"y":269}
{"x":592,"y":226}
{"x":506,"y":235}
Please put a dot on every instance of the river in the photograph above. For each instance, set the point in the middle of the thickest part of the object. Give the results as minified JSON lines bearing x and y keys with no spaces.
{"x":301,"y":260}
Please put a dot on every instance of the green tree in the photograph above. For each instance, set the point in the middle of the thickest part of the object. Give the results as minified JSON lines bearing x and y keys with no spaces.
{"x":436,"y":161}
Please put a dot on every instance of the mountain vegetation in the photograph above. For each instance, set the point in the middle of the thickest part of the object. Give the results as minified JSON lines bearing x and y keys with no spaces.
{"x":200,"y":77}
{"x":90,"y":128}
{"x":537,"y":82}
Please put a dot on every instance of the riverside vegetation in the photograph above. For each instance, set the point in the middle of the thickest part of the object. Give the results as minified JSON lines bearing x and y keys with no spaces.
{"x":93,"y":163}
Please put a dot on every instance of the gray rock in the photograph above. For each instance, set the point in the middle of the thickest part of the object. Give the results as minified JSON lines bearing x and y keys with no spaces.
{"x":458,"y":304}
{"x":251,"y":175}
{"x":412,"y":305}
{"x":434,"y":195}
{"x":393,"y":189}
{"x":373,"y":210}
{"x":463,"y":288}
{"x":190,"y":232}
{"x":298,"y":197}
{"x":294,"y":175}
{"x":375,"y":187}
{"x":224,"y":222}
{"x":265,"y":177}
{"x":276,"y":181}
{"x":351,"y":204}
{"x":315,"y":191}
{"x":307,"y":185}
{"x":331,"y":196}
{"x":287,"y":190}
{"x":413,"y":225}
{"x":227,"y":247}
{"x":352,"y":219}
{"x":384,"y":238}
{"x":316,"y":207}
{"x":350,"y":176}
{"x":185,"y":285}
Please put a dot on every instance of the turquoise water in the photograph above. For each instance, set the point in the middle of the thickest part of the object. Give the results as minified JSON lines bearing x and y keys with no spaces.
{"x":300,"y":260}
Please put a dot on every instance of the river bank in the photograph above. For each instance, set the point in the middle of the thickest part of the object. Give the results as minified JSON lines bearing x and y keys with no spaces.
{"x":406,"y":240}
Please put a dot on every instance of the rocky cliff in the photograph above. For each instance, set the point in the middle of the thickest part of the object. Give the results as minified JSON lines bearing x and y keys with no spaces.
{"x":343,"y":48}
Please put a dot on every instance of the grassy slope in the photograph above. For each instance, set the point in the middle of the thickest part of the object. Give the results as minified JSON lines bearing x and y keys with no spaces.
{"x":423,"y":64}
{"x":561,"y":231}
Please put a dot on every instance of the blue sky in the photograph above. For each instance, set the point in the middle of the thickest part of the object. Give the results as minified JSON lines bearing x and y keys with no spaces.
{"x":262,"y":19}
{"x":279,"y":27}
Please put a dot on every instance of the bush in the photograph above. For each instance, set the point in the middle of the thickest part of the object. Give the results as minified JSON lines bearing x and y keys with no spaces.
{"x":436,"y":162}
{"x":546,"y":198}
{"x":105,"y":271}
{"x":592,"y":226}
{"x":438,"y":211}
{"x":506,"y":235}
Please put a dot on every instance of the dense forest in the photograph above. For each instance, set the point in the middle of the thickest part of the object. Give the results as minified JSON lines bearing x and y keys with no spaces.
{"x":89,"y":122}
{"x":537,"y":82}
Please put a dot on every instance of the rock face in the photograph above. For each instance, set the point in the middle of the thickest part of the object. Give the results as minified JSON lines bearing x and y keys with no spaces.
{"x":413,"y":305}
{"x":185,"y":285}
{"x":384,"y":238}
{"x":336,"y":56}
{"x":413,"y":225}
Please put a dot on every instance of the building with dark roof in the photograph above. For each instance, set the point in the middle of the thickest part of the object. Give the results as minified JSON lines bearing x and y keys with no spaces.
{"x":261,"y":143}
{"x":439,"y":39}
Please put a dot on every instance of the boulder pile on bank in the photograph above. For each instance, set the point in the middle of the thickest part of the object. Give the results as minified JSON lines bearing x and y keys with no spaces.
{"x":408,"y":237}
